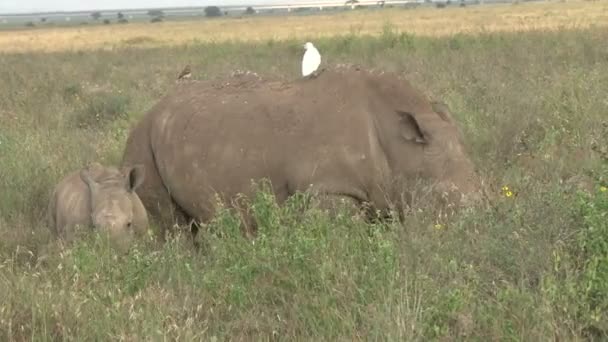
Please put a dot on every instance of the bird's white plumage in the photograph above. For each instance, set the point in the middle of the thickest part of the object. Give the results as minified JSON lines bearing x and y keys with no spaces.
{"x":311,"y":59}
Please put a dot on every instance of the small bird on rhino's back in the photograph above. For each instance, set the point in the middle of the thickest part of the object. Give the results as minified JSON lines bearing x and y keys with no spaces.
{"x":311,"y":60}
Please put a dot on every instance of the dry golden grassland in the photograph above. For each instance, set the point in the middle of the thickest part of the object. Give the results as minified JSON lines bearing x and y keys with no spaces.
{"x":426,"y":21}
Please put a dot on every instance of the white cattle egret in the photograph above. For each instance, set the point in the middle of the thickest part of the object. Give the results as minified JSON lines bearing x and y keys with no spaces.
{"x":311,"y":59}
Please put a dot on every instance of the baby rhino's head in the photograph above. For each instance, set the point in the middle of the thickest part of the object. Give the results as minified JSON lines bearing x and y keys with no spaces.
{"x":115,"y":207}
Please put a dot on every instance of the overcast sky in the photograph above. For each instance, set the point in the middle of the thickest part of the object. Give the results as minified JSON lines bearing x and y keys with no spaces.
{"x":18,"y":6}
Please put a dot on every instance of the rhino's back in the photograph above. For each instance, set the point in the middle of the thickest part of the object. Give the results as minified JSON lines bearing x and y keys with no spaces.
{"x":206,"y":139}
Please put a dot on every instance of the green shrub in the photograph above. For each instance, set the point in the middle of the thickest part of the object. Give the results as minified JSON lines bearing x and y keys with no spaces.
{"x":102,"y":108}
{"x":592,"y":261}
{"x":529,"y":267}
{"x":579,"y":286}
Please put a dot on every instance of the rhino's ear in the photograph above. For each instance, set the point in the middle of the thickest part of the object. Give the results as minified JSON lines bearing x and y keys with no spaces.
{"x":85,"y":175}
{"x":134,"y":176}
{"x":442,"y":109}
{"x":410,"y":129}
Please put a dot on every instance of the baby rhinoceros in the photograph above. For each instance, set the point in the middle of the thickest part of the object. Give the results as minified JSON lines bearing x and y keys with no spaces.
{"x":101,"y":197}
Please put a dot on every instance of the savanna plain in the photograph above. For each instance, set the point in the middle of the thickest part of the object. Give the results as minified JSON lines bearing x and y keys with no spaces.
{"x":532,"y":103}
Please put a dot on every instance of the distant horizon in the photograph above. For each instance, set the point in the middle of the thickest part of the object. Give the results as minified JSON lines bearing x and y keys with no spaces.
{"x":8,"y":7}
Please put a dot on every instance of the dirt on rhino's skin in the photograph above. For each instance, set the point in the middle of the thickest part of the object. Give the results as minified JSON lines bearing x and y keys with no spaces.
{"x":347,"y":133}
{"x":101,"y":197}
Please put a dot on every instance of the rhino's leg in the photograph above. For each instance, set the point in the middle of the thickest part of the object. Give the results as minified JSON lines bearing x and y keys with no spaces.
{"x":175,"y":217}
{"x":248,"y":224}
{"x":336,"y":204}
{"x":160,"y":206}
{"x":193,"y":226}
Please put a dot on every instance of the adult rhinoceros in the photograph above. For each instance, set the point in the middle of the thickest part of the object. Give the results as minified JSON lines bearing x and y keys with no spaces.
{"x":348,"y":134}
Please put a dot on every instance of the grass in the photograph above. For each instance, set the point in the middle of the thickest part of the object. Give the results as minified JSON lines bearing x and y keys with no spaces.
{"x":532,"y":267}
{"x":425,"y":21}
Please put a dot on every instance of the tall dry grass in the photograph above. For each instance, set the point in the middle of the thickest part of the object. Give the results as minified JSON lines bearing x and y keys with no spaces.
{"x":530,"y":268}
{"x":424,"y":21}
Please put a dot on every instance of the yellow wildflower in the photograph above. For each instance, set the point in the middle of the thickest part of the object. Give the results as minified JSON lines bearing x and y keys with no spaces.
{"x":603,"y":189}
{"x":438,"y":226}
{"x":507,"y":192}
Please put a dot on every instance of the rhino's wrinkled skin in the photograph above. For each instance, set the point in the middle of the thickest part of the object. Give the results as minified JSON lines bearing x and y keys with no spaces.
{"x":100,"y":197}
{"x":352,"y":135}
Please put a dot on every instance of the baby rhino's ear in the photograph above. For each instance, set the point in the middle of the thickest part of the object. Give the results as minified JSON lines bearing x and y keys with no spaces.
{"x":134,"y":176}
{"x":85,"y":175}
